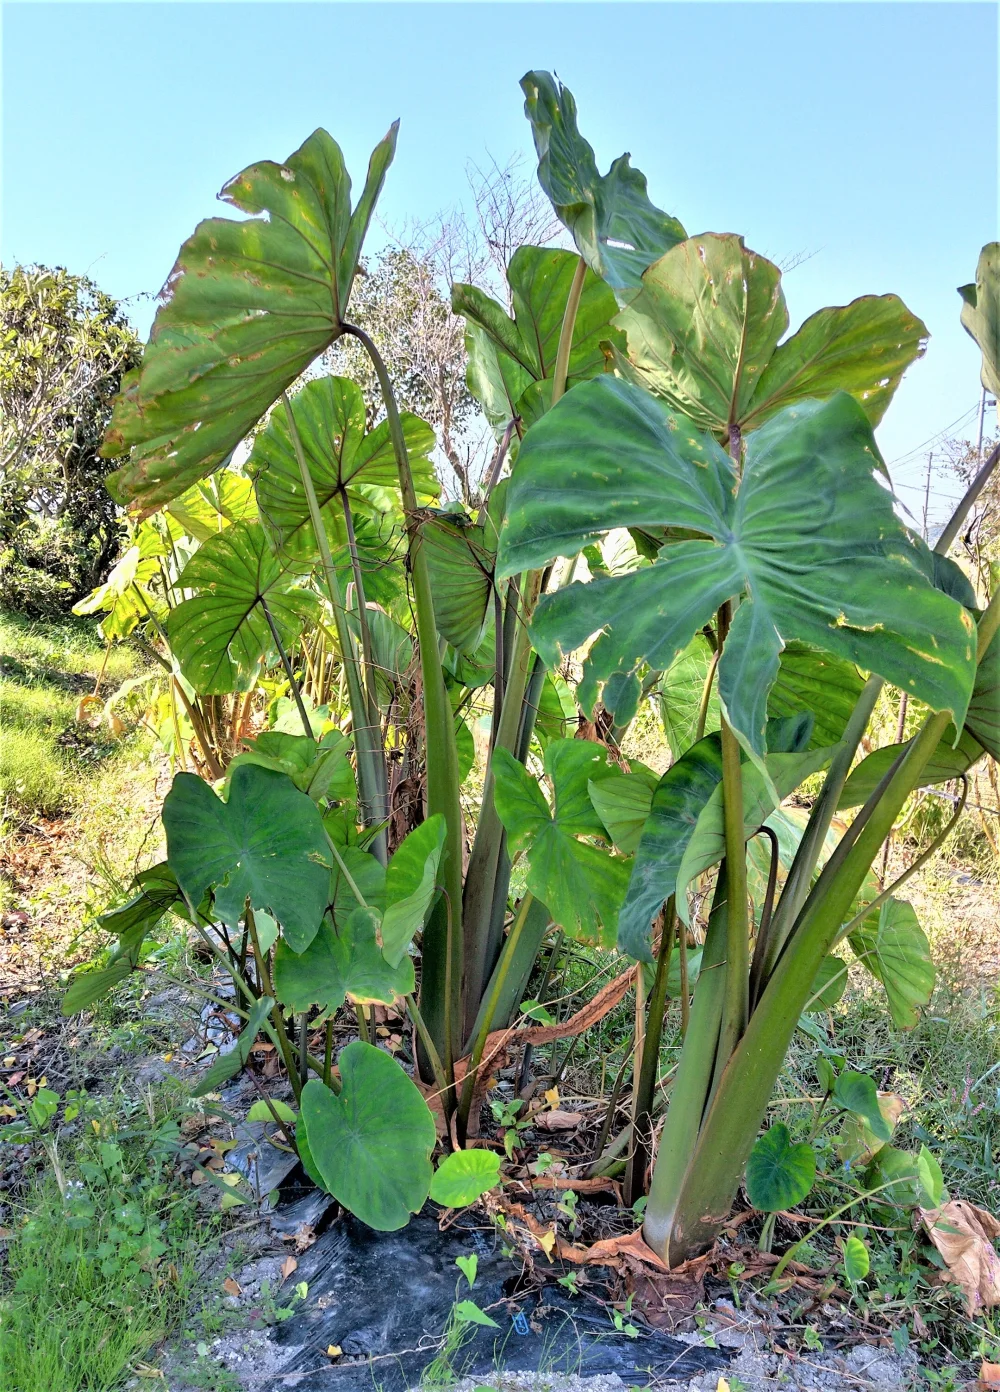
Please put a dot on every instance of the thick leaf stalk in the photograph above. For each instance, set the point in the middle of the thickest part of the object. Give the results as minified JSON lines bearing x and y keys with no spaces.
{"x":441,"y":979}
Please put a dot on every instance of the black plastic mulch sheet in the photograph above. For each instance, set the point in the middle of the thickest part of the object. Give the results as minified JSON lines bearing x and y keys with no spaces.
{"x":385,"y":1298}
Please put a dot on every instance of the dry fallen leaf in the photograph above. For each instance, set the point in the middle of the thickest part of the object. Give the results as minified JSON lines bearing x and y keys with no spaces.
{"x":552,"y":1097}
{"x":989,"y":1377}
{"x":333,"y":1351}
{"x":964,"y":1234}
{"x":557,"y":1121}
{"x":231,"y":1287}
{"x":287,"y":1267}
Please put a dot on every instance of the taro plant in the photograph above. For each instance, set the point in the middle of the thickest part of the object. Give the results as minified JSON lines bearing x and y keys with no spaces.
{"x":696,"y":510}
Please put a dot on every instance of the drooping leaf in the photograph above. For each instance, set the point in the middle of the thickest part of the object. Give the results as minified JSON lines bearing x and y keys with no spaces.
{"x":211,"y":505}
{"x":340,"y":962}
{"x":369,"y":879}
{"x":265,"y":1111}
{"x":943,"y":765}
{"x":617,"y":230}
{"x":371,"y":1143}
{"x":581,"y":884}
{"x":266,"y":843}
{"x":250,"y":305}
{"x":678,"y":799}
{"x":983,"y":718}
{"x":125,"y":599}
{"x":510,"y":359}
{"x":862,"y":348}
{"x":856,"y":1093}
{"x":329,"y":416}
{"x":411,"y":886}
{"x":610,"y":455}
{"x":463,"y":1176}
{"x":227,"y":1065}
{"x":704,"y":326}
{"x":221,"y":635}
{"x":779,"y":1174}
{"x":90,"y":986}
{"x":981,"y":314}
{"x":706,"y":844}
{"x":891,"y":944}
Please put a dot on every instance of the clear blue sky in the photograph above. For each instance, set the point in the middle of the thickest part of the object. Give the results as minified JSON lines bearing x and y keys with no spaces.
{"x":863,"y":133}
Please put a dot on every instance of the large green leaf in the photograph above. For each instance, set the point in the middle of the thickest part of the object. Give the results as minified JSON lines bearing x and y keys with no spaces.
{"x":510,"y":357}
{"x":221,"y":635}
{"x":862,"y":348}
{"x":857,"y":1094}
{"x":707,"y":841}
{"x":266,"y":843}
{"x":251,"y":304}
{"x":891,"y":944}
{"x":704,"y":326}
{"x":779,"y":1174}
{"x":371,"y":1142}
{"x":704,"y":332}
{"x":581,"y":884}
{"x":343,"y":460}
{"x":836,"y":573}
{"x":617,"y":231}
{"x":678,"y":800}
{"x":411,"y":886}
{"x":981,"y":314}
{"x":340,"y":962}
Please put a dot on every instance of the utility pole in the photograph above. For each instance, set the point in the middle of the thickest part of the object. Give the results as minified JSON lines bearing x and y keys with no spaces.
{"x":982,"y":413}
{"x":927,"y":491}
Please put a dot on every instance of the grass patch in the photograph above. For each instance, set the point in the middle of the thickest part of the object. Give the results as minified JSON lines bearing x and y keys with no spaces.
{"x":46,"y":757}
{"x":101,"y":1260}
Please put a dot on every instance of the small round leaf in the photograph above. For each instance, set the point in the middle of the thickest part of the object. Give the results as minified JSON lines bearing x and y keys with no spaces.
{"x":462,"y":1176}
{"x":856,"y":1260}
{"x":779,"y":1174}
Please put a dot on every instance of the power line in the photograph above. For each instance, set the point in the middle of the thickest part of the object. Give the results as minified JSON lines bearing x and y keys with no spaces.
{"x":933,"y":439}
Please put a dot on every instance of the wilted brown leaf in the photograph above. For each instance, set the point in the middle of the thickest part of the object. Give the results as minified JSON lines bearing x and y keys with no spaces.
{"x":964,"y":1234}
{"x":287,"y":1267}
{"x":231,"y":1287}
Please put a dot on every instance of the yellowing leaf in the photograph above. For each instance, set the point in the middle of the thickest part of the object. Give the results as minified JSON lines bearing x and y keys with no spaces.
{"x":547,"y":1240}
{"x":333,"y":1351}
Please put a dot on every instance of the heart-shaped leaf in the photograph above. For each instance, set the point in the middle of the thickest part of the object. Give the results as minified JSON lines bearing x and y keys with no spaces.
{"x":266,"y":843}
{"x":463,"y":1176}
{"x":581,"y":884}
{"x":891,"y":944}
{"x":250,"y":305}
{"x":845,"y":577}
{"x":460,"y":557}
{"x":857,"y":1261}
{"x":340,"y":962}
{"x":371,"y":1142}
{"x":779,"y":1174}
{"x":622,"y":803}
{"x":221,"y":635}
{"x":981,"y":314}
{"x":329,"y":416}
{"x":828,"y":985}
{"x":617,"y":230}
